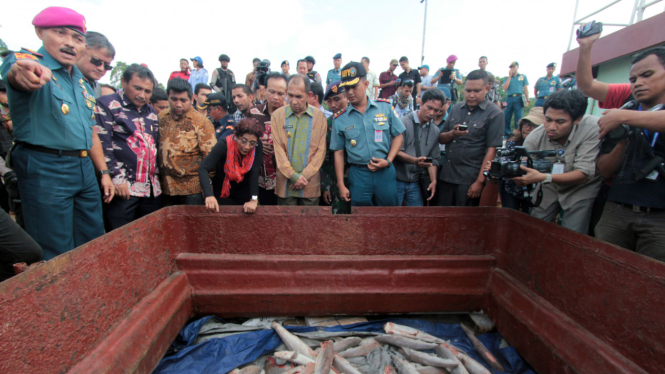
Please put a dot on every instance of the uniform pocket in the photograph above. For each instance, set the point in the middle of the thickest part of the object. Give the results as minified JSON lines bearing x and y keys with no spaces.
{"x":352,"y":133}
{"x":62,"y":104}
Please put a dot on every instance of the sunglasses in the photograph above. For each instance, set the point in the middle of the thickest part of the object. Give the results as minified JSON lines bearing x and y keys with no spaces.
{"x":97,"y":62}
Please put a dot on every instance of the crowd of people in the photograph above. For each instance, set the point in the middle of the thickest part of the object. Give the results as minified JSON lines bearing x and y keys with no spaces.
{"x":84,"y":158}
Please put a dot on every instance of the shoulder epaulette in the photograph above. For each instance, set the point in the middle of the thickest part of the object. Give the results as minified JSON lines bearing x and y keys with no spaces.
{"x":32,"y":52}
{"x":339,"y":113}
{"x":382,"y":100}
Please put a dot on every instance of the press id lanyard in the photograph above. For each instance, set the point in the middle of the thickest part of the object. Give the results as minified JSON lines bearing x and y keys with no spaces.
{"x":558,"y":167}
{"x":646,"y":133}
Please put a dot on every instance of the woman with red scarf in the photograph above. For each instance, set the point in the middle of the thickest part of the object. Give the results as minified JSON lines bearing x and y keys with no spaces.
{"x":237,"y":160}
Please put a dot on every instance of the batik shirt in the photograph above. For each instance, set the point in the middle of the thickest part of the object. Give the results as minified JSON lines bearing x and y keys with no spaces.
{"x":129,"y":138}
{"x":183,"y":144}
{"x":267,"y":172}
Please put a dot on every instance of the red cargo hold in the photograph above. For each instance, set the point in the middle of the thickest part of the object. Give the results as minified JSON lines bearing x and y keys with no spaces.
{"x":567,"y":302}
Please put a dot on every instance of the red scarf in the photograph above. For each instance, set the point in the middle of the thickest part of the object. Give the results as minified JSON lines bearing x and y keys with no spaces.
{"x":236,"y":166}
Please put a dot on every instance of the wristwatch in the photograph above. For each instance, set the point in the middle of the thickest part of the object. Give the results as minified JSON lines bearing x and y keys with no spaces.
{"x":102,"y":172}
{"x":389,"y":163}
{"x":254,"y":197}
{"x":548,"y":179}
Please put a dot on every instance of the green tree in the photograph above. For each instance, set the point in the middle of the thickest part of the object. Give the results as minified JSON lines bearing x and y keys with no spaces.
{"x":160,"y":85}
{"x":116,"y":73}
{"x":3,"y":46}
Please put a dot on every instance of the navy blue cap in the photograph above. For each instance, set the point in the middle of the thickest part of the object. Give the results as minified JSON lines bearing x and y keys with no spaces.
{"x":551,"y":65}
{"x":333,"y":89}
{"x":352,"y":72}
{"x":335,"y":57}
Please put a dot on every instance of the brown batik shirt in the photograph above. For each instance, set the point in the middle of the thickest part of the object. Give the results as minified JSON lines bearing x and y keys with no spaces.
{"x":183,"y":144}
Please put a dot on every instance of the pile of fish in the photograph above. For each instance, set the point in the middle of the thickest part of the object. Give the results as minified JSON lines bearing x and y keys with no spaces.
{"x":399,"y":351}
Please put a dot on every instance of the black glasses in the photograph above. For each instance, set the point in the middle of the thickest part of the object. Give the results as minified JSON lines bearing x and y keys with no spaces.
{"x":97,"y":62}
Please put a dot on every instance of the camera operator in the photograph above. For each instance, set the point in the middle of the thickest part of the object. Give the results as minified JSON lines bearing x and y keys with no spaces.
{"x":634,"y":216}
{"x":573,"y":184}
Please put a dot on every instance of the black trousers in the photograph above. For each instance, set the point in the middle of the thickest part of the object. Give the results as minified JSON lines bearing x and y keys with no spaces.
{"x":15,"y":246}
{"x":120,"y":212}
{"x":455,"y":194}
{"x":267,"y":197}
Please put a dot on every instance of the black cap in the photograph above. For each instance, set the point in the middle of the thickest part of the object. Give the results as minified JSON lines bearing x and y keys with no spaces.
{"x":333,"y":89}
{"x":351,"y":73}
{"x":224,"y":57}
{"x":310,"y":59}
{"x":214,"y":99}
{"x":514,"y":63}
{"x":335,"y":57}
{"x":551,"y":65}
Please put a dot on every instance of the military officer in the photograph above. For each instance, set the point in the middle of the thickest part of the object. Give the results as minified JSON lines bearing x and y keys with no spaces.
{"x":547,"y":85}
{"x":218,"y":114}
{"x":371,"y":133}
{"x":223,"y":80}
{"x":334,"y":74}
{"x":52,"y":109}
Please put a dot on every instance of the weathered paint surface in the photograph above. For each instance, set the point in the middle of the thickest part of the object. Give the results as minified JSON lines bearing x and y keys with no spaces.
{"x":567,"y":302}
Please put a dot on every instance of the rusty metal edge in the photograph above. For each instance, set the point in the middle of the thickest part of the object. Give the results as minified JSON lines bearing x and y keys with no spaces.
{"x":129,"y":347}
{"x":527,"y":307}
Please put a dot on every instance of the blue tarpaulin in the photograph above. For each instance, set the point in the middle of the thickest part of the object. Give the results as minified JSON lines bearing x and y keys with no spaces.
{"x":221,"y":355}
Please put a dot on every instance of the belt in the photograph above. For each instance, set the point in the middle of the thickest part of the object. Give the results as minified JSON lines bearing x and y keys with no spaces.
{"x":515,"y":95}
{"x":39,"y":148}
{"x":359,"y":165}
{"x":643,"y":209}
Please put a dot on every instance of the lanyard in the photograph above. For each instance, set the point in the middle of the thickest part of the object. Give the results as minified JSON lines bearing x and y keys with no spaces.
{"x":646,"y":133}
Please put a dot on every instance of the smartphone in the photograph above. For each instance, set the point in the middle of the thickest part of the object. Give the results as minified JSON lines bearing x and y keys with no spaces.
{"x":589,"y":29}
{"x":428,"y":160}
{"x":463,"y":127}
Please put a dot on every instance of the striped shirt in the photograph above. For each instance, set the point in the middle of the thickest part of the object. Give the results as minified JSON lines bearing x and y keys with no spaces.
{"x":300,"y":147}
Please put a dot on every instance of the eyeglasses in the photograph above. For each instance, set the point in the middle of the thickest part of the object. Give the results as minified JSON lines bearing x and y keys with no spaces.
{"x":97,"y":62}
{"x":244,"y":141}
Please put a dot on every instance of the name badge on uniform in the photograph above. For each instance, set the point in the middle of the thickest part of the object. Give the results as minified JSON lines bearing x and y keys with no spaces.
{"x":520,"y":78}
{"x":558,"y":168}
{"x":552,"y":89}
{"x":378,"y":135}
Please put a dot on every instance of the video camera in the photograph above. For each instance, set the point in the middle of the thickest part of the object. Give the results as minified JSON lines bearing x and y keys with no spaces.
{"x":507,"y":162}
{"x":262,"y":70}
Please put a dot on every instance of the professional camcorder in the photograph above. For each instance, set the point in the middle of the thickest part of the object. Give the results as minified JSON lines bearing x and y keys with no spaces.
{"x":507,"y":162}
{"x":262,"y":70}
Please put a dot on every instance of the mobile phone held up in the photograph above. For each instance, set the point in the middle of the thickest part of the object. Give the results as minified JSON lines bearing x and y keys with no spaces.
{"x":463,"y":127}
{"x":428,"y":160}
{"x":589,"y":29}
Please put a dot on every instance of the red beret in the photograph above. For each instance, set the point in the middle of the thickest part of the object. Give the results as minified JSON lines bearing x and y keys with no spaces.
{"x":56,"y":16}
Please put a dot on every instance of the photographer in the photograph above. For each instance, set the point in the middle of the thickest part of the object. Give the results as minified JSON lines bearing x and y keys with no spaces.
{"x":572,"y":185}
{"x":634,"y":216}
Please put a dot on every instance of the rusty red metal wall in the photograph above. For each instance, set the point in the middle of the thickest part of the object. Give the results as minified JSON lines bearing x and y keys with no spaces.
{"x":568,"y":303}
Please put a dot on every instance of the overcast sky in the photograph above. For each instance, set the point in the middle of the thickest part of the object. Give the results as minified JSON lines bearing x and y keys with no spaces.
{"x":159,"y":33}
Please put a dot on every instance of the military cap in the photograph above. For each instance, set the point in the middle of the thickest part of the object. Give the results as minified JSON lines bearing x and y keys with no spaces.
{"x":551,"y":65}
{"x":351,"y":73}
{"x":214,"y":99}
{"x":424,"y":66}
{"x":224,"y":57}
{"x":333,"y":89}
{"x":514,"y":63}
{"x":56,"y":16}
{"x":310,"y":59}
{"x":197,"y":58}
{"x":335,"y":57}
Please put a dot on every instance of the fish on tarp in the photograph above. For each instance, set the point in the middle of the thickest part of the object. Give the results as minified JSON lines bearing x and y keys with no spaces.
{"x":325,"y":358}
{"x":389,"y":370}
{"x":404,"y":342}
{"x":442,"y":351}
{"x":429,"y":360}
{"x":293,"y":342}
{"x":471,"y":365}
{"x":402,"y":366}
{"x":234,"y":371}
{"x":482,"y":350}
{"x":296,"y":370}
{"x":345,"y":344}
{"x":432,"y":370}
{"x":251,"y":369}
{"x":293,"y":356}
{"x":362,"y":350}
{"x":309,"y":369}
{"x":409,"y":332}
{"x":272,"y":367}
{"x":325,"y":335}
{"x":344,"y":366}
